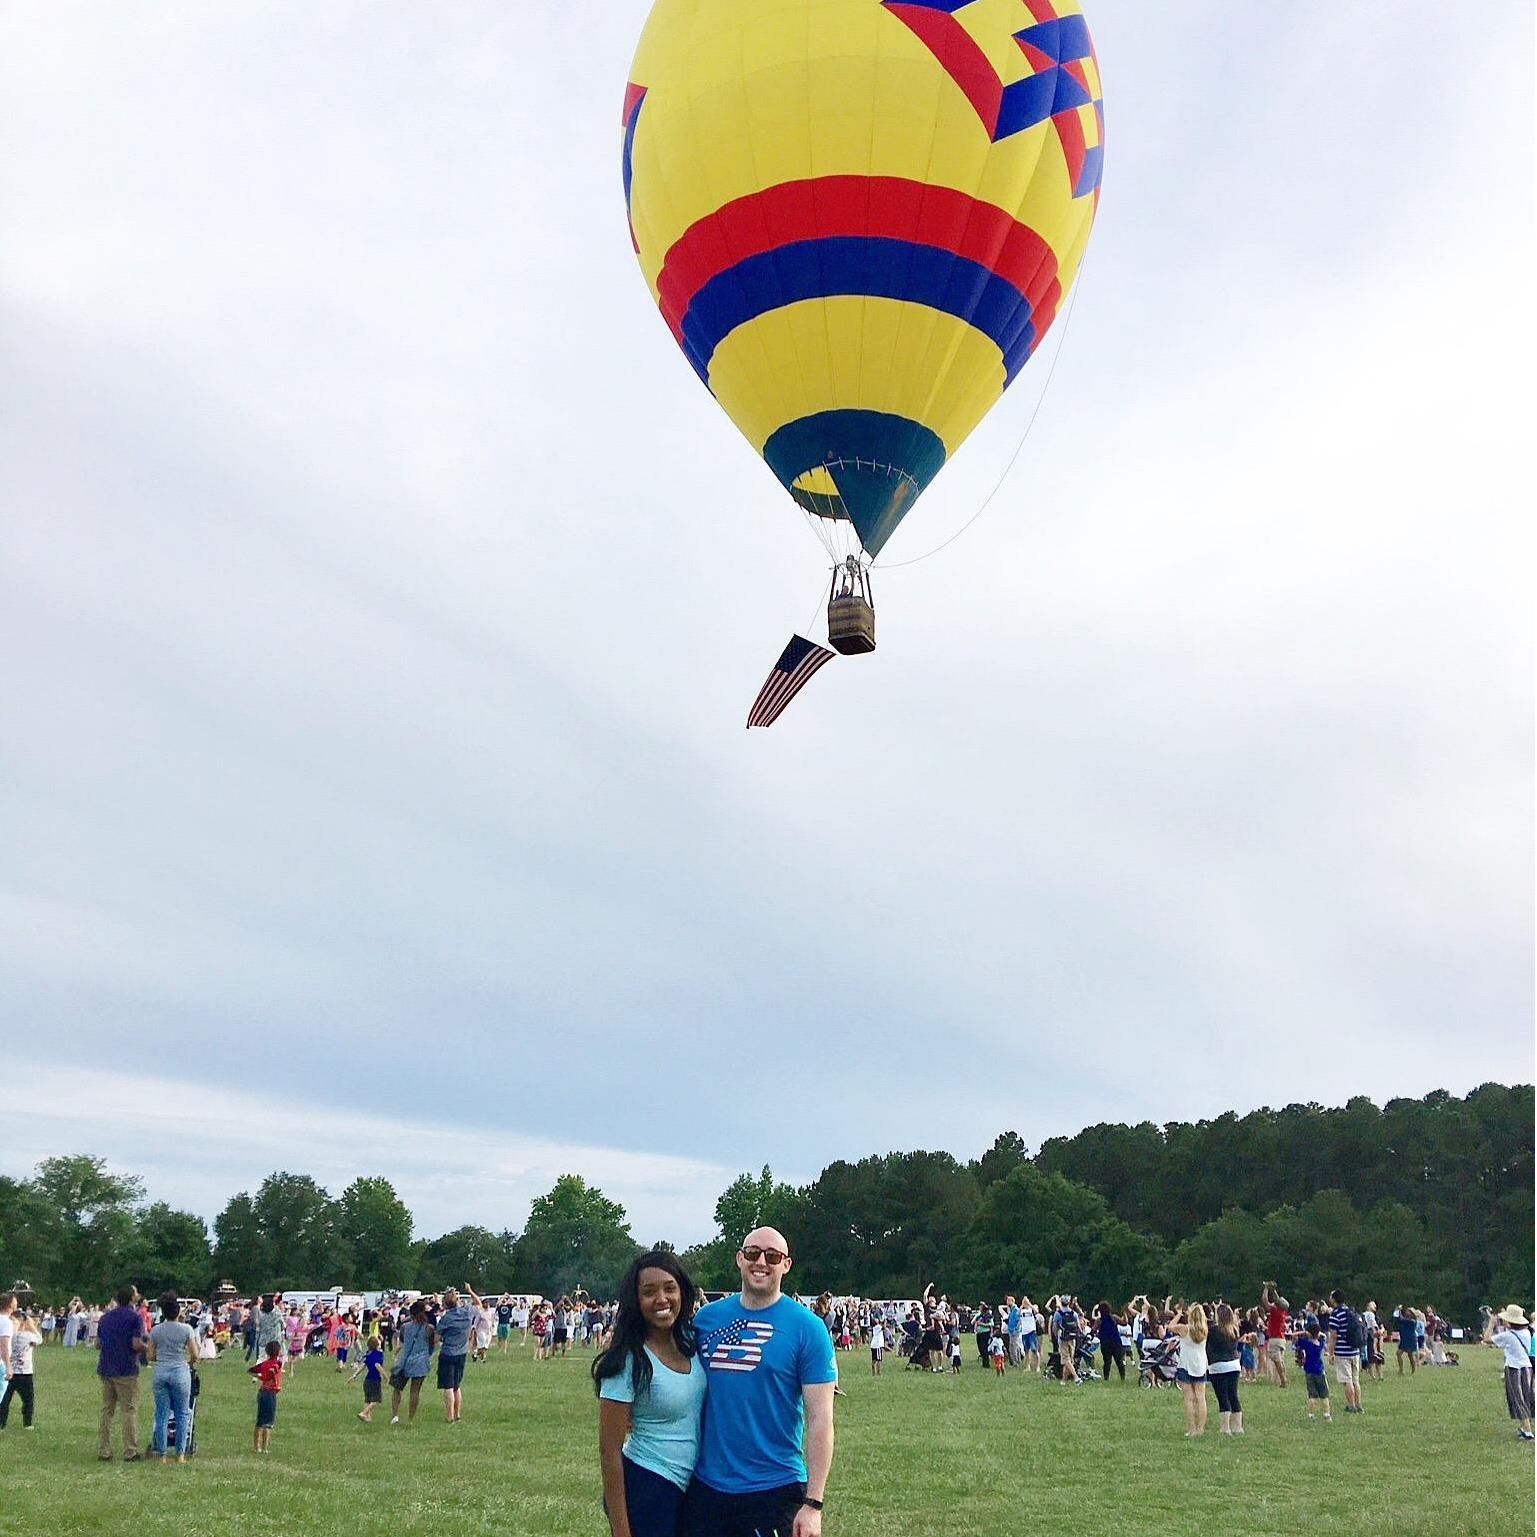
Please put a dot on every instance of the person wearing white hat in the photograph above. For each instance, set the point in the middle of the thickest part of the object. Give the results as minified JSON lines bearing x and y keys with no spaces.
{"x":1510,"y":1330}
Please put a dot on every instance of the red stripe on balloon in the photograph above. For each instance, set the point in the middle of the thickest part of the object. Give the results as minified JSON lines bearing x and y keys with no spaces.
{"x":958,"y":54}
{"x":889,"y":207}
{"x":1070,"y":130}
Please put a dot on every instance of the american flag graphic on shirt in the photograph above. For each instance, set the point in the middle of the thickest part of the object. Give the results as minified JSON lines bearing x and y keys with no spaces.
{"x":738,"y":1347}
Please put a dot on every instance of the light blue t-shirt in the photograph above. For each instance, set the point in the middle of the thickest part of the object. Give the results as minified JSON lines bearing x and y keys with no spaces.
{"x":664,"y":1419}
{"x":758,"y":1360}
{"x":454,"y":1325}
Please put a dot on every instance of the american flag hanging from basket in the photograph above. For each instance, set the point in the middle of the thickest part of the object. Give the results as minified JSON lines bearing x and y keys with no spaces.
{"x":794,"y":669}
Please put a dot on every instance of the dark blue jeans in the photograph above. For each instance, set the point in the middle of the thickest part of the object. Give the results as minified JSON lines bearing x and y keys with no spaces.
{"x":651,"y":1501}
{"x":709,"y":1513}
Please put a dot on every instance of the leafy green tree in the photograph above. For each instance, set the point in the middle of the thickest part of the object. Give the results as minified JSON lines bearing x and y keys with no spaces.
{"x":242,"y":1253}
{"x":749,"y":1201}
{"x":1007,"y":1153}
{"x":575,"y":1236}
{"x":170,"y":1252}
{"x":473,"y":1255}
{"x":1228,"y":1257}
{"x":374,"y":1225}
{"x":94,"y":1212}
{"x":1042,"y":1233}
{"x":298,"y":1220}
{"x":31,"y":1237}
{"x":884,"y":1226}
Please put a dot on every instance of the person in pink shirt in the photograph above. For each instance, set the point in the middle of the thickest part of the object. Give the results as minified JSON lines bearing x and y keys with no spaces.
{"x":296,"y":1329}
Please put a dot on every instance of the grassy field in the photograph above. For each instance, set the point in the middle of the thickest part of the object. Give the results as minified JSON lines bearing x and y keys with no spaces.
{"x":968,"y":1457}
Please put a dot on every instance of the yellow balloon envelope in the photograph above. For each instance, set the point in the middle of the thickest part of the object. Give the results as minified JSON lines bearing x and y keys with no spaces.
{"x":859,"y":218}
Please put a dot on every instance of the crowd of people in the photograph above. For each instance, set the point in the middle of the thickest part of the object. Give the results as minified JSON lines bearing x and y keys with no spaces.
{"x":171,"y":1336}
{"x":716,"y":1415}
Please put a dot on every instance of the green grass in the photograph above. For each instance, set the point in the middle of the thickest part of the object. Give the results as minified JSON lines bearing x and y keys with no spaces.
{"x":930,"y":1456}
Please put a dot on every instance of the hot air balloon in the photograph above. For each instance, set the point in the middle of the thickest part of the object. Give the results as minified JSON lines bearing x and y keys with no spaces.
{"x":858,"y":219}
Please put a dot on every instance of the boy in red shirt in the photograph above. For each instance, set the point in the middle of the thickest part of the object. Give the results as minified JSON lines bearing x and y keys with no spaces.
{"x":269,"y":1383}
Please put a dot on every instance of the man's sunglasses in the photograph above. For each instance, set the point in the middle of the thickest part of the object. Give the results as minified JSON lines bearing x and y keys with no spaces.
{"x":753,"y":1254}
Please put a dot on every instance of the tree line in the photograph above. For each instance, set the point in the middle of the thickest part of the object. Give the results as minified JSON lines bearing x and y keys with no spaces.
{"x":1422,"y":1199}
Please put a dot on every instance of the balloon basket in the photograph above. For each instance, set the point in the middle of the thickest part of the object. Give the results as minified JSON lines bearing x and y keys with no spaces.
{"x":850,"y":613}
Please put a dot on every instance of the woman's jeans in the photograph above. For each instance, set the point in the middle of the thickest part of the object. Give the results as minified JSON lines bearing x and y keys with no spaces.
{"x":21,"y":1387}
{"x":173,"y":1394}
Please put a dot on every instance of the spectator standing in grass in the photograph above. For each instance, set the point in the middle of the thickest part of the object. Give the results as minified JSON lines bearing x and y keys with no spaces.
{"x":1371,"y":1359}
{"x":120,"y":1344}
{"x":984,"y":1330}
{"x":7,"y":1332}
{"x":417,"y":1339}
{"x":1512,"y":1333}
{"x":651,"y":1388}
{"x":767,"y":1443}
{"x":372,"y":1367}
{"x":1111,"y":1349}
{"x":485,"y":1329}
{"x":1029,"y":1338}
{"x":1191,"y":1373}
{"x":1275,"y":1306}
{"x":1310,"y":1353}
{"x":1224,"y":1366}
{"x":269,"y":1326}
{"x":172,"y":1351}
{"x":24,"y":1339}
{"x":1403,"y":1316}
{"x":1345,"y":1349}
{"x":455,"y":1324}
{"x":877,"y":1344}
{"x":269,"y":1383}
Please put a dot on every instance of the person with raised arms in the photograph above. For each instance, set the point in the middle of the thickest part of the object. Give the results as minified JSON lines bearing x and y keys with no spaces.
{"x":766,"y":1445}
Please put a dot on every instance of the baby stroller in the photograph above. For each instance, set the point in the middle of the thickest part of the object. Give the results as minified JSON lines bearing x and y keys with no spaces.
{"x":1084,"y":1348}
{"x":173,"y":1429}
{"x":1160,"y":1360}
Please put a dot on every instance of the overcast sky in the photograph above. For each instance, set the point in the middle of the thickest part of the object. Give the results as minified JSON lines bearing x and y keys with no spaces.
{"x":381,"y":600}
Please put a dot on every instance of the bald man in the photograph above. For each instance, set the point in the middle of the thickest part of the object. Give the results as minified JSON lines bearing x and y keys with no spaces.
{"x":767,"y":1442}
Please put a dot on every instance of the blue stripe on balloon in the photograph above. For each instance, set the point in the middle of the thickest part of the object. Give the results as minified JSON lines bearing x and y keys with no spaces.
{"x":1093,"y":170}
{"x":1062,"y":38}
{"x":629,"y":146}
{"x":857,"y":265}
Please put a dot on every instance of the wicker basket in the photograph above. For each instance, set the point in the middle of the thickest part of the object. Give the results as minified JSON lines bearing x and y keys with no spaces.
{"x":850,"y":625}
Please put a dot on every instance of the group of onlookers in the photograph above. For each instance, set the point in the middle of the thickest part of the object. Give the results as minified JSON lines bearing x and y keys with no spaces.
{"x":1196,"y":1344}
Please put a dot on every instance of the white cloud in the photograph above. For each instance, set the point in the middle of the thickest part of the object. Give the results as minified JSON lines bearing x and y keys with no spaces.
{"x":196,"y":1144}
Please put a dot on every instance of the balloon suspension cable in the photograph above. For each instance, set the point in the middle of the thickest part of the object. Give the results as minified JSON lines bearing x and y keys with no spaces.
{"x":1056,"y":358}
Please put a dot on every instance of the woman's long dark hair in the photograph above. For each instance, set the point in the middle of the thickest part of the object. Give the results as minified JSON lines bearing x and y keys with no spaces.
{"x":628,"y":1344}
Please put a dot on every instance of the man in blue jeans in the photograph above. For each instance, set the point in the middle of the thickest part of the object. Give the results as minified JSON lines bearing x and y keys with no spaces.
{"x":766,"y":1445}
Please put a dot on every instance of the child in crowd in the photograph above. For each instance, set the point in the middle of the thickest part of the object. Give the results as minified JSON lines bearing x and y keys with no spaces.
{"x":997,"y":1351}
{"x":269,"y":1383}
{"x":373,"y":1378}
{"x":877,"y":1346}
{"x":1310,"y":1354}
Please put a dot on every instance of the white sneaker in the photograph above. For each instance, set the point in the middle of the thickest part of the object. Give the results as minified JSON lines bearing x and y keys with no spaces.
{"x":394,"y":1419}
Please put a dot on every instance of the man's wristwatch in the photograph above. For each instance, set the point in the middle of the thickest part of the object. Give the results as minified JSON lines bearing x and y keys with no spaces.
{"x":814,"y":1504}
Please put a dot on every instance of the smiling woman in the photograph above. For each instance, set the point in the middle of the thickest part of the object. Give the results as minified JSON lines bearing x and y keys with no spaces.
{"x":651,"y":1392}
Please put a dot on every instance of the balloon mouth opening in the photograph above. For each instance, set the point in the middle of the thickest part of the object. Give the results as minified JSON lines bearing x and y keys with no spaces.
{"x":864,"y":468}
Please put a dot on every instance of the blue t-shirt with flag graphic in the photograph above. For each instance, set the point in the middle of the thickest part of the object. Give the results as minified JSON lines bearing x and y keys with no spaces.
{"x":758,"y":1359}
